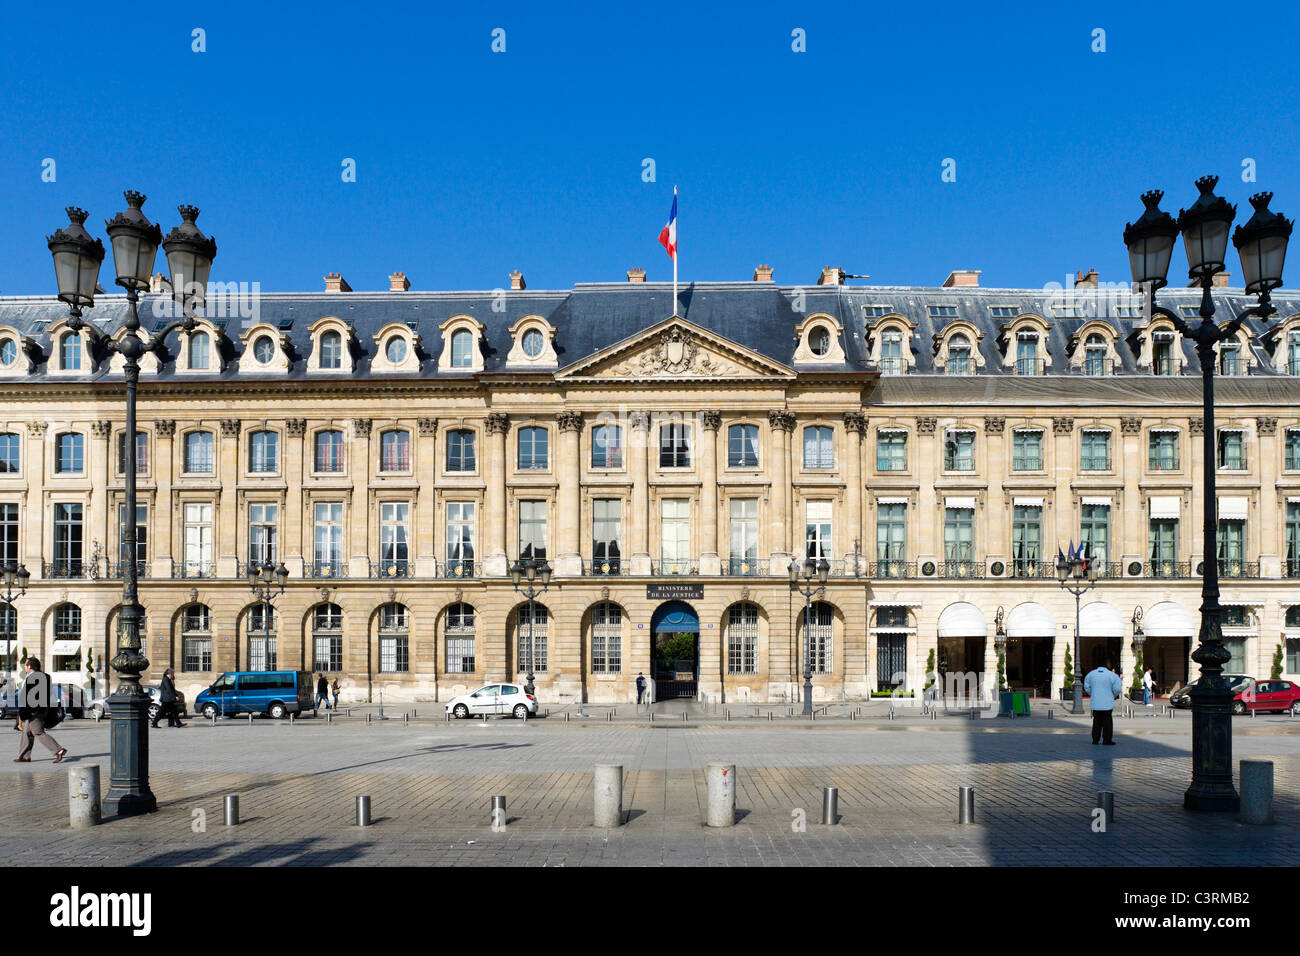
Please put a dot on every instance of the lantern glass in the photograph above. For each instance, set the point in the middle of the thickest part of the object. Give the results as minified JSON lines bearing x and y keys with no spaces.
{"x":794,"y":573}
{"x":1206,"y":242}
{"x":546,"y":574}
{"x":282,"y":575}
{"x":1148,"y":259}
{"x":133,"y":257}
{"x":1062,"y":568}
{"x":516,"y":573}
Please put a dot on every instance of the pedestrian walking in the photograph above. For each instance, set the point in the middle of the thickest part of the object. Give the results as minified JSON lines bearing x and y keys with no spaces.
{"x":35,"y":712}
{"x":1148,"y":686}
{"x":640,"y":687}
{"x":167,"y":701}
{"x":334,"y":688}
{"x":322,"y":692}
{"x":1103,"y":686}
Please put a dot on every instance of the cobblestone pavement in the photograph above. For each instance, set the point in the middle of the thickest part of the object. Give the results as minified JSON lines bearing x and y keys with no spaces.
{"x":431,"y":783}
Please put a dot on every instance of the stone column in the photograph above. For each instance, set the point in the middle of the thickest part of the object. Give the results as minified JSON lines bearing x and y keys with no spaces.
{"x":1065,"y":468}
{"x":639,"y":465}
{"x":227,"y":511}
{"x":1261,"y":542}
{"x":710,"y":562}
{"x":855,"y":427}
{"x":160,"y":521}
{"x":1190,"y":531}
{"x":297,"y":464}
{"x":358,"y":518}
{"x":997,"y":531}
{"x":424,"y":546}
{"x":100,"y":525}
{"x":929,"y":540}
{"x":568,"y":465}
{"x":780,"y":425}
{"x":1128,"y":536}
{"x":33,"y":544}
{"x":493,"y":523}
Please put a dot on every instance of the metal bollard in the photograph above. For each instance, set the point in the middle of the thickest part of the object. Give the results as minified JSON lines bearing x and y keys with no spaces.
{"x":1170,"y":712}
{"x":974,"y":713}
{"x":363,"y":811}
{"x":406,"y":718}
{"x":965,"y":804}
{"x":721,"y":785}
{"x":830,"y":806}
{"x":683,"y":716}
{"x":498,"y":811}
{"x":329,"y":717}
{"x":231,"y":806}
{"x":212,"y":720}
{"x":83,"y":796}
{"x":566,"y":716}
{"x":250,"y":718}
{"x":414,"y":712}
{"x":1257,"y":791}
{"x":1106,"y":804}
{"x":609,"y":795}
{"x":291,"y":720}
{"x":1049,"y":713}
{"x":367,"y":717}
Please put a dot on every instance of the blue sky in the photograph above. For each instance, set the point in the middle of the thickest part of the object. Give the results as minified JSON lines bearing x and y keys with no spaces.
{"x":472,"y":163}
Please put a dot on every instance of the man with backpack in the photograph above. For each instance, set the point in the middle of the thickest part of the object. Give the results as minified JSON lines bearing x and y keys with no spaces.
{"x":34,"y":710}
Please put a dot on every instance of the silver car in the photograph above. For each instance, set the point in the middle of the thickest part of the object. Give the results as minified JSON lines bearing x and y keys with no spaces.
{"x":500,"y":699}
{"x":98,"y":707}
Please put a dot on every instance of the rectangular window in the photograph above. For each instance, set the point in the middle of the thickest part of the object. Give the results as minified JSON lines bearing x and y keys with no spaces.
{"x":1027,"y":451}
{"x":395,"y":451}
{"x":1162,"y":451}
{"x":10,"y":453}
{"x":607,"y":446}
{"x":943,"y":311}
{"x":1094,"y":360}
{"x":1230,"y":362}
{"x":1027,"y":360}
{"x":262,"y":524}
{"x":607,"y":639}
{"x":532,"y":529}
{"x":533,"y":449}
{"x":460,"y":639}
{"x":1162,"y":540}
{"x":68,"y":539}
{"x":263,"y":452}
{"x":1293,"y":539}
{"x":394,"y":518}
{"x":141,"y":453}
{"x":891,"y":661}
{"x":1231,"y":535}
{"x":533,"y":619}
{"x":958,"y":537}
{"x":675,"y":535}
{"x":1026,"y":540}
{"x":744,"y":535}
{"x":1292,"y":454}
{"x":461,"y":529}
{"x":742,"y":446}
{"x":817,"y":530}
{"x":141,"y":538}
{"x":1292,"y":656}
{"x":820,"y":623}
{"x":891,"y":451}
{"x":329,"y":452}
{"x":891,"y":533}
{"x":742,"y":639}
{"x":328,"y":553}
{"x":1232,"y":450}
{"x":328,"y":651}
{"x":69,"y":458}
{"x":959,"y":451}
{"x":198,"y":539}
{"x":196,"y":654}
{"x":1095,"y":532}
{"x":198,"y":453}
{"x":1293,"y":353}
{"x":1162,"y":354}
{"x":460,"y":450}
{"x":891,"y":353}
{"x":674,"y":445}
{"x":606,"y":535}
{"x":818,"y":447}
{"x":9,"y":534}
{"x":394,"y":653}
{"x":1094,"y":451}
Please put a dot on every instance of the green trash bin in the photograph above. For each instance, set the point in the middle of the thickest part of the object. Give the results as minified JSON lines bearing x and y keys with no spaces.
{"x":1021,"y":703}
{"x":1006,"y":701}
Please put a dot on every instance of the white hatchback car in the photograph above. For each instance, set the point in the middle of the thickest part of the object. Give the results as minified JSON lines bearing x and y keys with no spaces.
{"x":500,"y":699}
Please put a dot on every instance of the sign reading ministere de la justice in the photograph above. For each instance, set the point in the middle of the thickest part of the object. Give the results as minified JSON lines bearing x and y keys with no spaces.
{"x":674,"y":591}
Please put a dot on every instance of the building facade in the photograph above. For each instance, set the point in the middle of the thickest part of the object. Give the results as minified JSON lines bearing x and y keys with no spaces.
{"x":398,"y":451}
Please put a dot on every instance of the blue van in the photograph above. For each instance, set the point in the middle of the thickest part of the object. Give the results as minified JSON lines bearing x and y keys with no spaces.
{"x":274,"y":693}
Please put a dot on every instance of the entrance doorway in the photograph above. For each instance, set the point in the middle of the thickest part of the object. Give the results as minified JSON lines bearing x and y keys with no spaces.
{"x":1029,"y":665}
{"x":1167,"y":657}
{"x":675,"y":650}
{"x":963,"y":659}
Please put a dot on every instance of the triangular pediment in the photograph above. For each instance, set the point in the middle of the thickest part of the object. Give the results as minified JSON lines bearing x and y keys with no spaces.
{"x":673,"y":350}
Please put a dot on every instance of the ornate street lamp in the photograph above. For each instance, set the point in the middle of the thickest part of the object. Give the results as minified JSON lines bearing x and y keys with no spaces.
{"x":525,"y":574}
{"x":267,"y":582}
{"x":1000,"y":641}
{"x":1078,"y":575}
{"x":1261,"y":244}
{"x":77,"y":258}
{"x":802,"y":577}
{"x":10,"y":576}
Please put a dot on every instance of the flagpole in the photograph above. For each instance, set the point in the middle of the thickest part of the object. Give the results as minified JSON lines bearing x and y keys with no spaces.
{"x":678,"y":246}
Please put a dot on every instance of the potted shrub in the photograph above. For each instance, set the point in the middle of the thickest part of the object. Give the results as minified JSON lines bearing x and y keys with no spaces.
{"x":1135,"y":692}
{"x":1276,"y":672}
{"x":1067,"y":685}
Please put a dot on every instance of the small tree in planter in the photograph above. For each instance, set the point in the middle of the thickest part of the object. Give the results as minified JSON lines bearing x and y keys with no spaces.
{"x":1002,"y":671}
{"x":929,"y":670}
{"x":1067,"y":685}
{"x":89,"y":683}
{"x":1276,"y":672}
{"x":1135,"y":690}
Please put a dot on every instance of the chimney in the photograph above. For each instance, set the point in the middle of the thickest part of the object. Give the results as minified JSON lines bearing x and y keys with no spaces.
{"x":1086,"y":280}
{"x":159,"y":283}
{"x":397,"y":282}
{"x":636,"y":275}
{"x":517,"y":281}
{"x":959,"y":278}
{"x":1221,"y":279}
{"x":763,"y":274}
{"x":831,"y":275}
{"x":336,"y":283}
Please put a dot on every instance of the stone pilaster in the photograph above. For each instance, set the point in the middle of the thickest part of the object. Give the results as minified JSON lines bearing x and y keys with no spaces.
{"x":568,"y":465}
{"x":297,"y":465}
{"x":780,"y":424}
{"x":164,"y":464}
{"x":1261,"y":541}
{"x":227,"y":511}
{"x":360,"y":467}
{"x":638,"y":465}
{"x":710,"y":562}
{"x":855,"y":428}
{"x":493,"y":523}
{"x":34,"y":469}
{"x":425,"y":526}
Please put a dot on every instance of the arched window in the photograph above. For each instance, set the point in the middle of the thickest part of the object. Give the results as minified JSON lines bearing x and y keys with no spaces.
{"x":395,"y":450}
{"x":69,"y":454}
{"x":742,"y":446}
{"x":66,"y":652}
{"x":261,"y":638}
{"x":818,"y":447}
{"x":532,"y":621}
{"x":70,"y":352}
{"x":533,"y":448}
{"x":331,"y":350}
{"x":819,"y":340}
{"x":458,"y":629}
{"x":742,"y":639}
{"x":959,"y":355}
{"x":462,"y":349}
{"x":820,"y":621}
{"x":199,"y":351}
{"x":460,"y":450}
{"x":198,"y":453}
{"x":1027,"y":360}
{"x":196,"y":638}
{"x":329,"y":456}
{"x":264,"y":452}
{"x":606,"y":638}
{"x":607,"y":446}
{"x":394,"y":639}
{"x":327,"y":637}
{"x":395,"y":349}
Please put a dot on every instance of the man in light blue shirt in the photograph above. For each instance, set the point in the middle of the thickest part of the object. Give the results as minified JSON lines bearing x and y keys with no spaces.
{"x":1103,"y":686}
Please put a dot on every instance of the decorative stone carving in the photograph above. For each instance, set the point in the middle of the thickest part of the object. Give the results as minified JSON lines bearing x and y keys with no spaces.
{"x":392,"y":596}
{"x":994,"y":425}
{"x":230,"y":427}
{"x":604,"y":593}
{"x":361,"y":427}
{"x":296,"y":427}
{"x":1196,"y":426}
{"x":324,"y":594}
{"x":712,"y":420}
{"x":194,"y":595}
{"x":1266,"y":426}
{"x":1062,"y":426}
{"x":744,"y":593}
{"x":855,"y":422}
{"x":427,"y":426}
{"x":498,"y":423}
{"x":675,"y":352}
{"x":639,"y":421}
{"x":569,"y":421}
{"x":1130,"y":426}
{"x":781,"y":420}
{"x":101,"y":429}
{"x":460,"y":595}
{"x":926,"y":426}
{"x":165,"y":427}
{"x":36,"y":429}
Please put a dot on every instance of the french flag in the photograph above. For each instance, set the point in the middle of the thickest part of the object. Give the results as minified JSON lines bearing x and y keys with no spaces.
{"x":668,"y":235}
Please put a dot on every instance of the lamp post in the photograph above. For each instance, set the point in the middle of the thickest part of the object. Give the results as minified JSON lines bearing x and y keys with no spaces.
{"x":525,"y":574}
{"x":802,"y":577}
{"x":1000,"y":645}
{"x":77,"y":258}
{"x":267,"y":582}
{"x":1139,"y":635}
{"x":1078,"y":575}
{"x":1261,"y":244}
{"x":10,"y":576}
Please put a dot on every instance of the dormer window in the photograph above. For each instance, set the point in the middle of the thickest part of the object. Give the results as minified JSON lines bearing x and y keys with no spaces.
{"x":264,"y":350}
{"x":70,"y":352}
{"x":331,"y":350}
{"x":1293,"y":353}
{"x":1230,"y":362}
{"x":891,"y":353}
{"x":395,"y":349}
{"x":1094,"y":355}
{"x":199,"y":343}
{"x":462,"y":349}
{"x":819,"y":341}
{"x":8,"y":352}
{"x":1162,"y":353}
{"x":1027,"y":360}
{"x":959,"y":356}
{"x":533,"y":342}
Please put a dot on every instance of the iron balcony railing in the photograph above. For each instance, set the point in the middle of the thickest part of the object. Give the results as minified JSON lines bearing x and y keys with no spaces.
{"x":1167,"y":569}
{"x":1030,"y":568}
{"x":460,"y":568}
{"x":1233,"y":568}
{"x":1293,"y":367}
{"x":65,"y":569}
{"x":604,"y":566}
{"x":1098,"y":367}
{"x":1031,"y":366}
{"x":1166,"y":366}
{"x":894,"y":568}
{"x":957,"y":365}
{"x":961,"y":569}
{"x":1162,"y":462}
{"x":325,"y":569}
{"x":1110,"y":569}
{"x":745,"y":567}
{"x":194,"y":569}
{"x":1291,"y":568}
{"x":117,"y":571}
{"x":892,"y":366}
{"x":392,"y":568}
{"x":1027,"y":463}
{"x":674,"y":566}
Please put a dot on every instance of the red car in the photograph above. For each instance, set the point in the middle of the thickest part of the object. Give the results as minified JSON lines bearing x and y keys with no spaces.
{"x":1280,"y":695}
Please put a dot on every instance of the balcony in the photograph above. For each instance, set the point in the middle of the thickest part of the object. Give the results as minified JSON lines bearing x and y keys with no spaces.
{"x":1027,"y":463}
{"x":1110,"y":570}
{"x":603,"y":567}
{"x":895,"y":568}
{"x":392,"y":568}
{"x":745,"y":567}
{"x":1291,"y":568}
{"x":1162,"y":463}
{"x":1031,"y":366}
{"x":1293,"y":367}
{"x":1167,"y":569}
{"x":116,"y":572}
{"x":459,"y":568}
{"x":674,"y":566}
{"x":1166,"y":366}
{"x":961,"y":569}
{"x":1096,"y":367}
{"x":194,"y":569}
{"x":892,"y":366}
{"x":1234,"y":568}
{"x":324,"y":569}
{"x":65,"y":569}
{"x":1031,"y":569}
